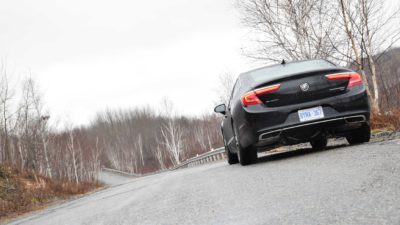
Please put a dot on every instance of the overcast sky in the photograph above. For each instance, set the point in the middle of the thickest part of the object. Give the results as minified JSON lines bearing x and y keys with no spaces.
{"x":88,"y":55}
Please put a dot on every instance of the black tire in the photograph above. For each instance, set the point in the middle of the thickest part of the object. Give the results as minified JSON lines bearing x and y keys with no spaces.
{"x":247,"y":156}
{"x":361,"y":135}
{"x":319,"y":143}
{"x":231,"y":157}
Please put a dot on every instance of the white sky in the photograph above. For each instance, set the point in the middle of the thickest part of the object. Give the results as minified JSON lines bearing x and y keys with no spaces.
{"x":88,"y":55}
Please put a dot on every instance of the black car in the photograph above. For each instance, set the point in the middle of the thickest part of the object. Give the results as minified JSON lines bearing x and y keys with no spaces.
{"x":292,"y":103}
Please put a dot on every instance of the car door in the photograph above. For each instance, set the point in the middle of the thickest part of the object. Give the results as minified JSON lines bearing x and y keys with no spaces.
{"x":227,"y":124}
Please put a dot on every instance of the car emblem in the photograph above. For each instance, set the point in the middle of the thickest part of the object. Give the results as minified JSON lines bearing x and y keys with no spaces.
{"x":304,"y":86}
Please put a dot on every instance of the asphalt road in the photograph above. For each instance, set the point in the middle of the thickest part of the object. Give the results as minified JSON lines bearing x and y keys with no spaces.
{"x":341,"y":185}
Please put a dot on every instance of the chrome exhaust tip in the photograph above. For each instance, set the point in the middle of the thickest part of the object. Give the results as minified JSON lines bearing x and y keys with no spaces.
{"x":355,"y":119}
{"x":270,"y":135}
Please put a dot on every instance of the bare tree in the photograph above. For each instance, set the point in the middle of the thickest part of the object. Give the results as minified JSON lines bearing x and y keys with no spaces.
{"x":160,"y":157}
{"x":73,"y":154}
{"x":41,"y":122}
{"x":172,"y":140}
{"x":370,"y":29}
{"x":5,"y":97}
{"x":225,"y":84}
{"x":290,"y":29}
{"x":172,"y":133}
{"x":140,"y":147}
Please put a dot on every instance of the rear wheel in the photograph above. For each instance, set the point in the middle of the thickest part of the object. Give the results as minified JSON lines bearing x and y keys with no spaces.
{"x":247,"y":156}
{"x":231,"y":157}
{"x":319,"y":143}
{"x":361,"y":135}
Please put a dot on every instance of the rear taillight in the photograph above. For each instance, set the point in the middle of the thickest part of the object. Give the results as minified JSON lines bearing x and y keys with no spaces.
{"x":353,"y":78}
{"x":266,"y":90}
{"x":251,"y":97}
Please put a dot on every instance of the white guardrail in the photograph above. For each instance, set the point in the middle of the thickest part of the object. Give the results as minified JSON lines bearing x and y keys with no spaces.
{"x":211,"y":156}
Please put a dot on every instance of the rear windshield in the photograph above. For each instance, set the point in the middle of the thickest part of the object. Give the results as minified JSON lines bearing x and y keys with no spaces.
{"x":282,"y":70}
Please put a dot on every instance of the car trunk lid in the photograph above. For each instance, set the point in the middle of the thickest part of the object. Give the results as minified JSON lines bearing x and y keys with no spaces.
{"x":301,"y":88}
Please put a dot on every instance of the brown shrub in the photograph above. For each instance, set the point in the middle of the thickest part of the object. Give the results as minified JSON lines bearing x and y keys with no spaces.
{"x":23,"y":191}
{"x":387,"y":120}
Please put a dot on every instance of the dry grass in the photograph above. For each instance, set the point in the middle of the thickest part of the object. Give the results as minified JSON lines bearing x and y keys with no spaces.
{"x":386,"y":121}
{"x":23,"y":191}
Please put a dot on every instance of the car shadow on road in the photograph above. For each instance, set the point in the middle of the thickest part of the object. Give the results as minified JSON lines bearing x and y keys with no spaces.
{"x":294,"y":153}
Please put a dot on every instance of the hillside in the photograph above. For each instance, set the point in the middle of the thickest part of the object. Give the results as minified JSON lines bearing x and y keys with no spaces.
{"x":23,"y":191}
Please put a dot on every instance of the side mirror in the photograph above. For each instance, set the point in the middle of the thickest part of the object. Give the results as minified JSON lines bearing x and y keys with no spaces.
{"x":220,"y":109}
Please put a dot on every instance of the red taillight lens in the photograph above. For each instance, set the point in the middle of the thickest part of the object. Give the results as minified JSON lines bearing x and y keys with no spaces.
{"x":250,"y":98}
{"x":354,"y":78}
{"x":266,"y":90}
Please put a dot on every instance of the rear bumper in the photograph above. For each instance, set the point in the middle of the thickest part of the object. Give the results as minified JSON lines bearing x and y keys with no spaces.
{"x":327,"y":123}
{"x":337,"y":127}
{"x":268,"y":126}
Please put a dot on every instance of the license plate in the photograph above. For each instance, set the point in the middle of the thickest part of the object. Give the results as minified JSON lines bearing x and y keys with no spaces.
{"x":311,"y":114}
